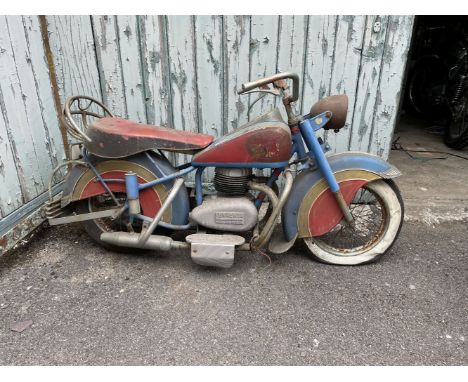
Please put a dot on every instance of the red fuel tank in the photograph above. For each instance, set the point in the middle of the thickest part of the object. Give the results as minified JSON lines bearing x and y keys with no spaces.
{"x":263,"y":142}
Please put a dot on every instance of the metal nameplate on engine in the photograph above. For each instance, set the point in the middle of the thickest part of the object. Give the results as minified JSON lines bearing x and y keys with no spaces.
{"x":229,"y":217}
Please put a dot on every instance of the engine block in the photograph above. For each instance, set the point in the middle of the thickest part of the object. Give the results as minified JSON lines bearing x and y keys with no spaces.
{"x":231,"y":214}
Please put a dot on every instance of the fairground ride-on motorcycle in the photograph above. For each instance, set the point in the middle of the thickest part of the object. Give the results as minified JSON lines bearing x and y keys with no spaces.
{"x":345,"y":207}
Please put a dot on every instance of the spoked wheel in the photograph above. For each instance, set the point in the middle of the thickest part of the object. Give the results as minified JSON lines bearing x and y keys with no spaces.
{"x":378,"y":211}
{"x":96,"y":227}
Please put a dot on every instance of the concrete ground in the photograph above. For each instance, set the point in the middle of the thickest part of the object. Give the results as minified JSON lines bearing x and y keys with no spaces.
{"x":434,"y":185}
{"x":95,"y":307}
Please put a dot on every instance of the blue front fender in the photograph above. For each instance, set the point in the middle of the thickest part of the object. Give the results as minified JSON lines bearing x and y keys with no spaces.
{"x":309,"y":177}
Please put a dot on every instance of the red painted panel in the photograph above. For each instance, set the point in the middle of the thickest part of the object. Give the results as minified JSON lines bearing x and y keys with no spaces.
{"x":325,"y":213}
{"x":129,"y":129}
{"x":149,"y":199}
{"x":264,"y":145}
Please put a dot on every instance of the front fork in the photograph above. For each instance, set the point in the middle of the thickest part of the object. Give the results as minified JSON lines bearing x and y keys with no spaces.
{"x":308,"y":128}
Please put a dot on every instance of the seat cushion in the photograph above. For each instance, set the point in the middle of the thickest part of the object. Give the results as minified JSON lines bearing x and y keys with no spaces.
{"x":116,"y":137}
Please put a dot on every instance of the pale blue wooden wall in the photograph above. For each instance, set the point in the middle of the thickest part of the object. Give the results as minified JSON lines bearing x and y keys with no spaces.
{"x":183,"y":72}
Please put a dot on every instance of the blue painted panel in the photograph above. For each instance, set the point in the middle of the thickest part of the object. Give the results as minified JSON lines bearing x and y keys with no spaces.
{"x":243,"y":165}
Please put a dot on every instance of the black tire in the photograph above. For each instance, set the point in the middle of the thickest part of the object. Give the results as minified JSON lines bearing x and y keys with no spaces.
{"x":456,"y":133}
{"x":457,"y":143}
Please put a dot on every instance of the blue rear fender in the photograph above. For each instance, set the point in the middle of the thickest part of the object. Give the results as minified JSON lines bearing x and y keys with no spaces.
{"x":309,"y":177}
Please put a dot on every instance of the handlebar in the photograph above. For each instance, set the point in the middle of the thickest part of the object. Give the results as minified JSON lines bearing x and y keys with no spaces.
{"x":268,"y":80}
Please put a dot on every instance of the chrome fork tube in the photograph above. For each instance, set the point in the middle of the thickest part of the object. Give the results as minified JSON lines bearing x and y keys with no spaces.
{"x":313,"y":145}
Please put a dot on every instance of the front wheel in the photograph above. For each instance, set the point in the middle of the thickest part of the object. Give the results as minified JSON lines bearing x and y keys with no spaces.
{"x":378,"y":211}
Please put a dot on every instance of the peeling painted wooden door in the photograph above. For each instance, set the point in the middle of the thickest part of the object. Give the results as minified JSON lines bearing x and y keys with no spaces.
{"x":30,"y":140}
{"x":183,"y":72}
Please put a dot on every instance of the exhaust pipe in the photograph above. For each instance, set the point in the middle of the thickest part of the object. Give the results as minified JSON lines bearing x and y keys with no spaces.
{"x":130,"y":239}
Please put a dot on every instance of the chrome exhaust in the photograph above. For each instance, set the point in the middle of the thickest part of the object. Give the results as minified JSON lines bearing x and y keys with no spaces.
{"x":130,"y":239}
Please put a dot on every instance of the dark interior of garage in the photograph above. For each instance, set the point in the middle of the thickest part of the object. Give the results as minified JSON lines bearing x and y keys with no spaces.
{"x":434,"y":104}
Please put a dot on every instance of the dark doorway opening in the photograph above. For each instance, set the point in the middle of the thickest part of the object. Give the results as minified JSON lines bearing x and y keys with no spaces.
{"x":434,"y":105}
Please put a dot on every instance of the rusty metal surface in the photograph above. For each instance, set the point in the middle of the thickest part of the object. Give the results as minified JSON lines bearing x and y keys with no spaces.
{"x":266,"y":139}
{"x":271,"y":79}
{"x":338,"y":105}
{"x":117,"y":138}
{"x":78,"y":114}
{"x":82,"y":217}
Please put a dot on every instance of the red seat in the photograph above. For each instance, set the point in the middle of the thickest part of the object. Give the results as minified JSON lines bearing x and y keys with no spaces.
{"x":116,"y":137}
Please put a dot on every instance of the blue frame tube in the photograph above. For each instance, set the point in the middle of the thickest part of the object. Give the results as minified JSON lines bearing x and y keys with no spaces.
{"x":298,"y":146}
{"x":163,"y":224}
{"x":312,"y":143}
{"x":177,"y":174}
{"x":199,"y":186}
{"x":95,"y":171}
{"x":131,"y":186}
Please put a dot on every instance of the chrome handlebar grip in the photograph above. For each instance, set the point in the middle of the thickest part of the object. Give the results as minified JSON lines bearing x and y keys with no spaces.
{"x":268,"y":80}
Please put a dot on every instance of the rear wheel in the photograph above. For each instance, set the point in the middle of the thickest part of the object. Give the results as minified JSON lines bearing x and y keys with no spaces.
{"x":96,"y":227}
{"x":148,"y":167}
{"x":378,"y":210}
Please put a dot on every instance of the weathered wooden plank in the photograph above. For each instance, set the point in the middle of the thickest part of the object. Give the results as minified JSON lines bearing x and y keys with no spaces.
{"x":291,"y":46}
{"x":388,"y":96}
{"x":156,"y":70}
{"x":210,"y":83}
{"x":236,"y":69}
{"x":292,"y":32}
{"x":367,"y":86}
{"x":345,"y":72}
{"x":183,"y":76}
{"x":181,"y":36}
{"x":109,"y":63}
{"x":319,"y":60}
{"x":11,"y":196}
{"x":35,"y":52}
{"x":210,"y":77}
{"x":72,"y":45}
{"x":263,"y":54}
{"x":129,"y":41}
{"x":22,"y":110}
